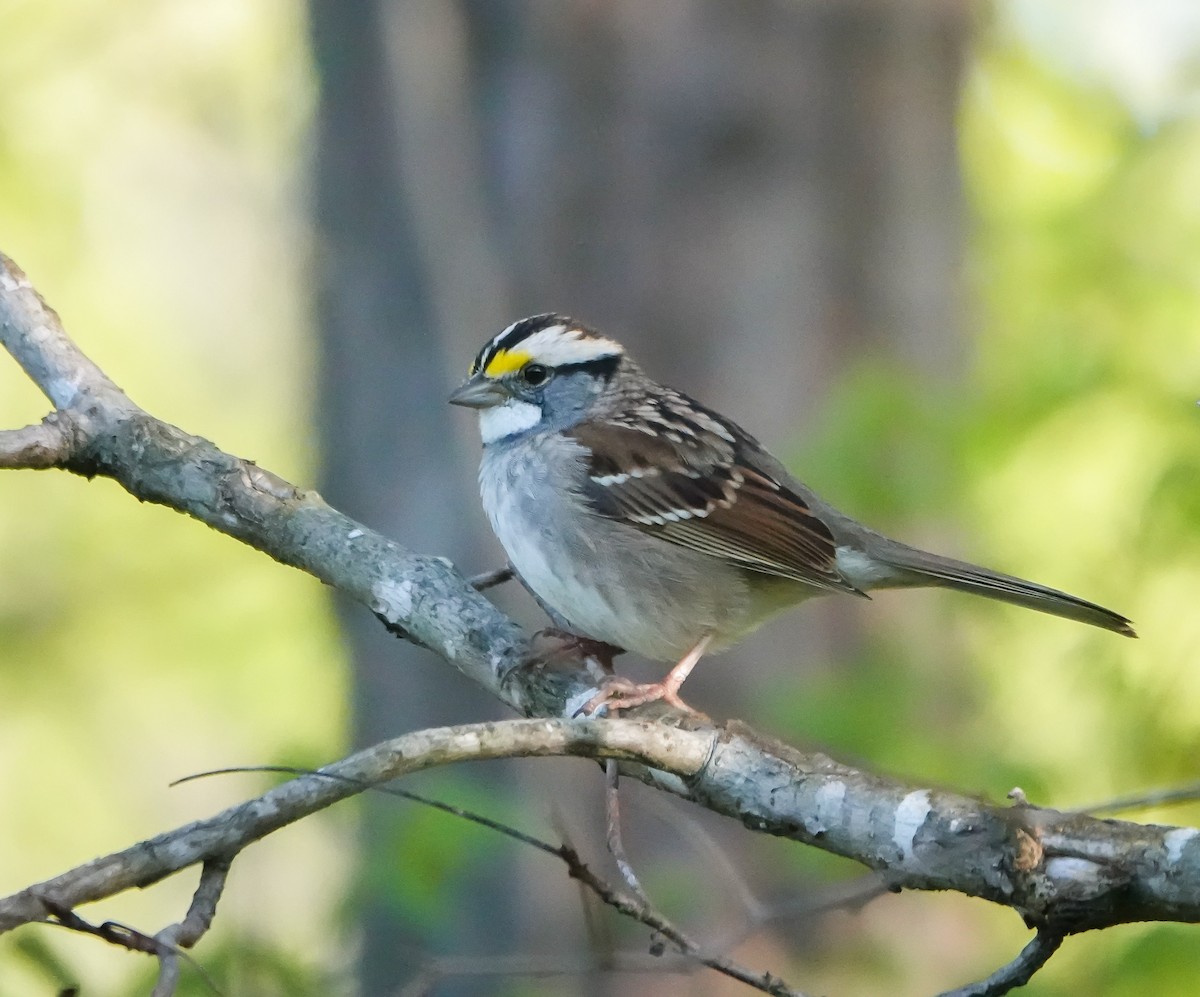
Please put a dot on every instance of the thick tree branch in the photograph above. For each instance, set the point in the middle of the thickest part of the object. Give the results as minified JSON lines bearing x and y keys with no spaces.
{"x":422,"y":596}
{"x":1063,"y":872}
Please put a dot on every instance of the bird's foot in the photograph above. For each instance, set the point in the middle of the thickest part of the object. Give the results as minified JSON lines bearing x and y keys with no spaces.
{"x":619,"y":693}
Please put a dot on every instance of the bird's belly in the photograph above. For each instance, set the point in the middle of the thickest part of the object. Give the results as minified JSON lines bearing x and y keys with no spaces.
{"x":610,"y":592}
{"x":610,"y":581}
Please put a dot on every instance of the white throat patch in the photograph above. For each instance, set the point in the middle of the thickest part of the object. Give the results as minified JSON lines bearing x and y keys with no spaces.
{"x":514,"y":416}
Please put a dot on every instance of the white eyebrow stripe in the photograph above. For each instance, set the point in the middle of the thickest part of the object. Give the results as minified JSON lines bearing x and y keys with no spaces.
{"x":559,"y":345}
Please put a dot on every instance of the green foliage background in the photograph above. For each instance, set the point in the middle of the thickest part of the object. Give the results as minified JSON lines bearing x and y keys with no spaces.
{"x":151,"y":184}
{"x":1071,"y":451}
{"x":152,"y":159}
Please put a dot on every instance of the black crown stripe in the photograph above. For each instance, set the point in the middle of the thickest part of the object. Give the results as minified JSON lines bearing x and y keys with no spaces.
{"x":604,"y":366}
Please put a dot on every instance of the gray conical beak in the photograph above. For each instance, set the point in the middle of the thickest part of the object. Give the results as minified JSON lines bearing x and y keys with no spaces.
{"x":478,"y":392}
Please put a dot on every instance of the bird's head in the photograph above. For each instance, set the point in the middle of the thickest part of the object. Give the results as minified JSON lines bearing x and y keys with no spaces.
{"x":543,"y":372}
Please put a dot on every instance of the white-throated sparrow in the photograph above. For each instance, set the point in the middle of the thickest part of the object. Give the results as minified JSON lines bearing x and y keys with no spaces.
{"x":641,"y":519}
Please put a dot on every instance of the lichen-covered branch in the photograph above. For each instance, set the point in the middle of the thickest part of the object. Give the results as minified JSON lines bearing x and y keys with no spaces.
{"x":1062,"y":872}
{"x":99,"y":431}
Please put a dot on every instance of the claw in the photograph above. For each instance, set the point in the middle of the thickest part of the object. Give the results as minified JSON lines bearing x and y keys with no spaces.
{"x":618,"y":693}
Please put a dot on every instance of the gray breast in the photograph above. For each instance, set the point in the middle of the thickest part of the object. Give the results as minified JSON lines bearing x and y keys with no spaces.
{"x":609,"y":580}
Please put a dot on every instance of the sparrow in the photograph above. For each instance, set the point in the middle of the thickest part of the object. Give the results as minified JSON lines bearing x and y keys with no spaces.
{"x":641,"y":520}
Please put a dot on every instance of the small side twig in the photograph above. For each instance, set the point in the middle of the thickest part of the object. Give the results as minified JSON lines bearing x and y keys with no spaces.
{"x":112,"y":932}
{"x":195,"y":923}
{"x":490,"y":579}
{"x":640,"y":907}
{"x":1018,"y":972}
{"x":635,"y":907}
{"x":43,"y":445}
{"x":231,"y":830}
{"x":612,"y":830}
{"x":123,"y":936}
{"x":1140,"y":801}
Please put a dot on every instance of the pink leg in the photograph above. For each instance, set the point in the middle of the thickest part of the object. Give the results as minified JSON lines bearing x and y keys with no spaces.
{"x":620,"y":693}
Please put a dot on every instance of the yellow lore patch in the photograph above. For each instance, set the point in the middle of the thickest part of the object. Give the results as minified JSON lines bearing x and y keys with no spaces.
{"x":505,"y":362}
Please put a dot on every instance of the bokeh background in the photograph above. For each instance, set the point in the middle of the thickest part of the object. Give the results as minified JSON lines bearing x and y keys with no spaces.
{"x":944,"y":258}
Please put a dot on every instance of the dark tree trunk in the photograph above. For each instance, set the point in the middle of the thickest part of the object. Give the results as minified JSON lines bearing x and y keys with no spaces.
{"x":390,"y":458}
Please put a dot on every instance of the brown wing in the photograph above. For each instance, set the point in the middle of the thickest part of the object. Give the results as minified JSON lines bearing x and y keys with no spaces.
{"x":692,"y":483}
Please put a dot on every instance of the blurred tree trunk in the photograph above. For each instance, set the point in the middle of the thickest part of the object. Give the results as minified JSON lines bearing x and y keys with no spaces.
{"x":750,"y":195}
{"x":390,"y":459}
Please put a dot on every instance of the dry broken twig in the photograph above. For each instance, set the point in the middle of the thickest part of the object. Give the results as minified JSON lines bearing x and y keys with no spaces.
{"x":1062,"y":872}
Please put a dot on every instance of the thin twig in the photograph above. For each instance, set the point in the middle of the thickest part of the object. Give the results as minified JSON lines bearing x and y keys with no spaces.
{"x":635,"y":907}
{"x":599,"y":929}
{"x":123,"y":936}
{"x":1018,"y":972}
{"x":632,"y":907}
{"x":226,"y":833}
{"x":1150,"y":798}
{"x":405,"y":794}
{"x":112,"y":932}
{"x":612,"y":830}
{"x":33,"y":333}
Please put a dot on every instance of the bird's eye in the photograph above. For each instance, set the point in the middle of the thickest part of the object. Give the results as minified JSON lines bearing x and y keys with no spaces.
{"x":534,"y":374}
